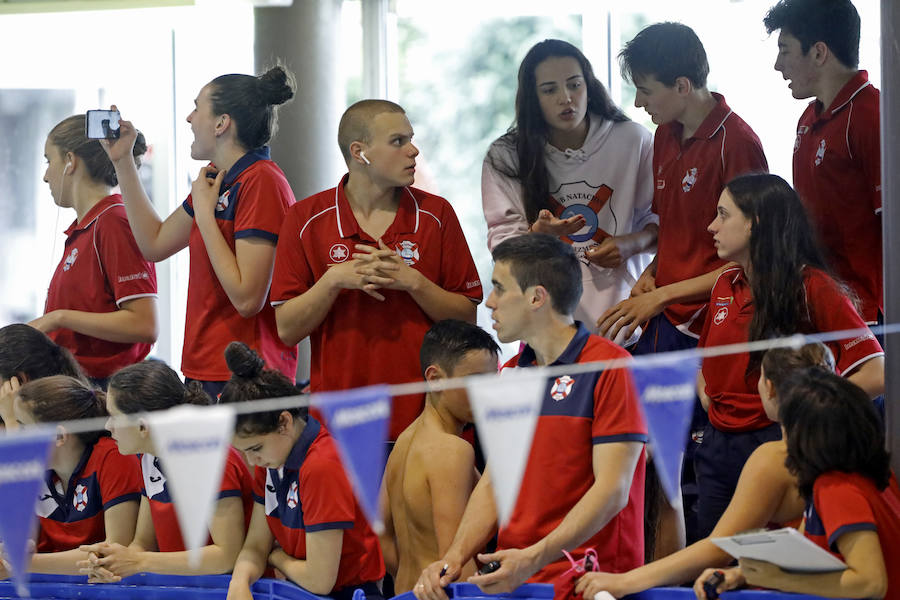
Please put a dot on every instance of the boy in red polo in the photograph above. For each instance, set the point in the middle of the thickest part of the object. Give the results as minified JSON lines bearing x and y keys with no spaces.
{"x":837,"y":153}
{"x":583,"y":485}
{"x":366,"y":268}
{"x":699,"y":146}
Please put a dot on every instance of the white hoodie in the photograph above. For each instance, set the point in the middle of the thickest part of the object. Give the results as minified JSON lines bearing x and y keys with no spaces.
{"x":615,"y":162}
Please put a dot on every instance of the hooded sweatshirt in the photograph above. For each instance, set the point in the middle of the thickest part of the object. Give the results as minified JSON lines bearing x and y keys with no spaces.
{"x":609,"y":180}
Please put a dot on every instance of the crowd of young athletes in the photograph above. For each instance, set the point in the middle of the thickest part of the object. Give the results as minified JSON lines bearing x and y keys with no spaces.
{"x":599,"y":231}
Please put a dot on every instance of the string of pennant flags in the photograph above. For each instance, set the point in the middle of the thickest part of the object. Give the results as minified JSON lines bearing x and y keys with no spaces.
{"x":192,"y":441}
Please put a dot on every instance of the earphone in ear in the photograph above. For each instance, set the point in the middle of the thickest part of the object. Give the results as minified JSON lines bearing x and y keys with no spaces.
{"x":362,"y":155}
{"x":66,"y":168}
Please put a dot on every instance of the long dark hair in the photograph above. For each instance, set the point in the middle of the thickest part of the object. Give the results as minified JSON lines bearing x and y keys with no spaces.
{"x":831,"y":425}
{"x":153,"y":385}
{"x":29,"y":353}
{"x":530,"y":133}
{"x":251,"y":380}
{"x":782,"y":243}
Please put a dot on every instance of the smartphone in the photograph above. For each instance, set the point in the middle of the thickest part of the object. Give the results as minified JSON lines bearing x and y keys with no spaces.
{"x":101,"y":124}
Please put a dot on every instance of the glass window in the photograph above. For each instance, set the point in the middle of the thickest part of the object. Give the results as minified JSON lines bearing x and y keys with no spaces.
{"x":150,"y":63}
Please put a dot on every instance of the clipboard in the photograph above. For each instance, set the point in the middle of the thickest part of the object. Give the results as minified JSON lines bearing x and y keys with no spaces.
{"x":787,"y":548}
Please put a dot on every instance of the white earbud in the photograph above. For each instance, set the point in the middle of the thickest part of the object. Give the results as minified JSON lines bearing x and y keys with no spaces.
{"x":362,"y":155}
{"x":66,"y":168}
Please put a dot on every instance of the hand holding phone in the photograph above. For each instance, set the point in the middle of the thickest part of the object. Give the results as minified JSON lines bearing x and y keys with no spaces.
{"x":489,"y":568}
{"x":711,"y":585}
{"x":101,"y":124}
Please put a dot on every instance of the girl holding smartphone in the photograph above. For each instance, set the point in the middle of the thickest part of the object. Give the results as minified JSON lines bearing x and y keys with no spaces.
{"x":101,"y":303}
{"x":230,"y":222}
{"x":574,"y":166}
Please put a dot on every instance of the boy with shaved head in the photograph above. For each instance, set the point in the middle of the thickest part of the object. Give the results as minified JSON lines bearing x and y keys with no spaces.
{"x":367,"y":267}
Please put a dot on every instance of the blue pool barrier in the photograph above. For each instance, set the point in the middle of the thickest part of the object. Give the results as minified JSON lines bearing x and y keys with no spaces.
{"x":682,"y":593}
{"x":150,"y":586}
{"x":470,"y":591}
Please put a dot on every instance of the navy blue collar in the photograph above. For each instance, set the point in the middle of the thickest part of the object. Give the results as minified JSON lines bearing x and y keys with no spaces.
{"x":301,"y":447}
{"x":261,"y":153}
{"x":570,"y":354}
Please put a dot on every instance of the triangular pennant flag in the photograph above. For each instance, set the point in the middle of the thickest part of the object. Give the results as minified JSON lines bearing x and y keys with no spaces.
{"x":192,"y":443}
{"x":506,"y":409}
{"x":667,"y":394}
{"x":23,"y":462}
{"x":358,"y":420}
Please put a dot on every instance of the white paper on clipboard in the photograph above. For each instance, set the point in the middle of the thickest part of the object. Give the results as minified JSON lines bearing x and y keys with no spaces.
{"x":787,"y":548}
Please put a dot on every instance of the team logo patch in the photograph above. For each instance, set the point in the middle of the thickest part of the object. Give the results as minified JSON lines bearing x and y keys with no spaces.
{"x":690,"y":178}
{"x":222,"y":202}
{"x":562,"y":387}
{"x":409,"y":252}
{"x":339,"y":253}
{"x":721,"y":314}
{"x":80,"y":499}
{"x":724,"y":300}
{"x":800,"y":131}
{"x":70,"y":259}
{"x":820,"y":153}
{"x":293,"y":497}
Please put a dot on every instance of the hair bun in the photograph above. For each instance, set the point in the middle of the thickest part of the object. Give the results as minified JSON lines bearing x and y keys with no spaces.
{"x":277,"y":85}
{"x":243,"y":361}
{"x":194,"y":394}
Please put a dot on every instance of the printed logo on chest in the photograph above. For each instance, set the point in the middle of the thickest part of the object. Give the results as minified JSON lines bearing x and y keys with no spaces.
{"x":820,"y":153}
{"x":80,"y":499}
{"x":339,"y":253}
{"x":690,"y":178}
{"x":562,"y":387}
{"x":70,"y":259}
{"x":293,"y":496}
{"x":800,"y":131}
{"x":408,"y":251}
{"x":223,"y":201}
{"x":720,"y":315}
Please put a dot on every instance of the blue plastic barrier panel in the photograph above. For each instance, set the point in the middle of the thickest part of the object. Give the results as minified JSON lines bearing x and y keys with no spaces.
{"x":151,"y":586}
{"x":23,"y":462}
{"x":683,"y":593}
{"x":470,"y":591}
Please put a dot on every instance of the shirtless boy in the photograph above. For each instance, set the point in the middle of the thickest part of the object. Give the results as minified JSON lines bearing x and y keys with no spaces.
{"x":431,"y":471}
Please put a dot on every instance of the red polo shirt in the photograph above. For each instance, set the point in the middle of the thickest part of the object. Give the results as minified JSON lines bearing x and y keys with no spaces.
{"x":254,"y":197}
{"x":690,"y":177}
{"x":846,"y":502}
{"x":102,"y":479}
{"x":363,"y":341}
{"x":100,"y":269}
{"x":310,"y":493}
{"x":734,"y":399}
{"x":236,"y":482}
{"x":837,"y":172}
{"x":578,"y":412}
